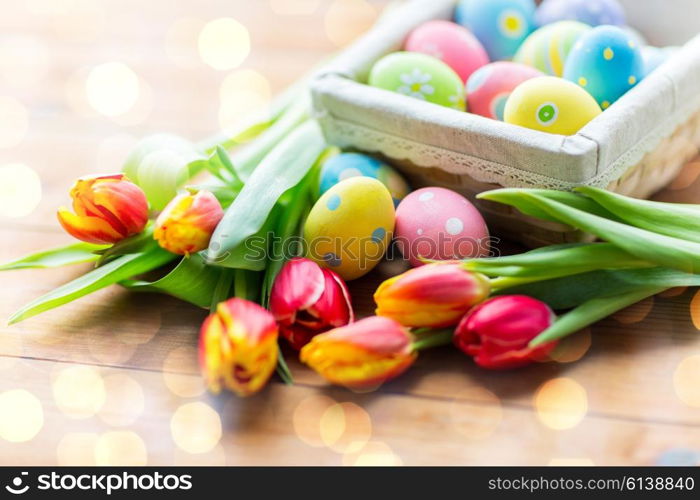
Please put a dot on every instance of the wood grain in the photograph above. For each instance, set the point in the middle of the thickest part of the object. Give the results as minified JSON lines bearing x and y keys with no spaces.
{"x":138,"y":393}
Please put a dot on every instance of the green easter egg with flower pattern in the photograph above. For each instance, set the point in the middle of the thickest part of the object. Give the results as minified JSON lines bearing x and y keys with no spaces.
{"x":419,"y":76}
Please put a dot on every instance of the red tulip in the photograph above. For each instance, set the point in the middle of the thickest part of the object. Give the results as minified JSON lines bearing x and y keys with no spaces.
{"x":497,"y":332}
{"x":108,"y":208}
{"x":307,"y":300}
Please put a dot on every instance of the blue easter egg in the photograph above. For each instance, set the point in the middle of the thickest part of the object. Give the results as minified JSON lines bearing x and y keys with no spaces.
{"x":590,"y":12}
{"x":346,"y":165}
{"x":500,"y":25}
{"x":606,"y":62}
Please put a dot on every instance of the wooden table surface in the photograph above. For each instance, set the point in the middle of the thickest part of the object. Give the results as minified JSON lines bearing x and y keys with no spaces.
{"x":112,"y":378}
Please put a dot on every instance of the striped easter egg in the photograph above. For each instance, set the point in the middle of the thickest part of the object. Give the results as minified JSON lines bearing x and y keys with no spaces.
{"x":547,"y":48}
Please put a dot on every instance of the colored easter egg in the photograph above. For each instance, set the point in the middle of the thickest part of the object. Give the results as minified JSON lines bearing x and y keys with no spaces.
{"x":547,"y":48}
{"x":346,"y":165}
{"x":350,"y":227}
{"x":591,"y":12}
{"x":420,"y":76}
{"x":451,"y":43}
{"x":654,"y":57}
{"x":489,"y":87}
{"x":551,"y":104}
{"x":606,"y":62}
{"x":500,"y":25}
{"x":439,"y":224}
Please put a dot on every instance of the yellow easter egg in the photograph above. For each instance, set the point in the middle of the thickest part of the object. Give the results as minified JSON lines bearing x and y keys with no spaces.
{"x":350,"y":227}
{"x":551,"y":104}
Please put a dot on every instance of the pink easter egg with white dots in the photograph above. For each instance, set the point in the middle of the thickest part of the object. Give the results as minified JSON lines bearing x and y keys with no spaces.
{"x":489,"y":87}
{"x":438,"y":224}
{"x":451,"y":43}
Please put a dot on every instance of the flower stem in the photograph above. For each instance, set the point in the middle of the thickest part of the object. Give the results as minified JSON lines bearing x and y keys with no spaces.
{"x":432,"y":338}
{"x":283,"y":369}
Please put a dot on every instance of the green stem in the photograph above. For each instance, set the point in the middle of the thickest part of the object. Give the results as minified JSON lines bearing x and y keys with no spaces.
{"x":223,"y":287}
{"x":432,"y":338}
{"x":503,"y":282}
{"x":283,"y":369}
{"x":592,"y":311}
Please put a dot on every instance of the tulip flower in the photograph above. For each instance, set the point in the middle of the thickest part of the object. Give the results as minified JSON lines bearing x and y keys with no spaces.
{"x":362,"y":354}
{"x":497,"y":332}
{"x":307,"y":300}
{"x":238,"y":347}
{"x":186,"y":224}
{"x":435,"y":295}
{"x":108,"y":208}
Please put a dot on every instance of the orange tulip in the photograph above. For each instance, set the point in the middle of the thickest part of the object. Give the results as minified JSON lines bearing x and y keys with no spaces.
{"x":362,"y":354}
{"x":107,"y":208}
{"x":186,"y":224}
{"x":435,"y":295}
{"x":238,"y":347}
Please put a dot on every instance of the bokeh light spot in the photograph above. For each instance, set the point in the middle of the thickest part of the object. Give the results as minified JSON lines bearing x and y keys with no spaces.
{"x":373,"y":454}
{"x":182,"y":384}
{"x":21,"y":416}
{"x":181,"y":42}
{"x":695,"y":310}
{"x":124,"y":401}
{"x":196,"y":427}
{"x":120,"y":448}
{"x":307,"y":419}
{"x":244,"y":94}
{"x":476,"y":413}
{"x":224,"y":44}
{"x":345,"y":427}
{"x":112,"y":88}
{"x":561,"y":403}
{"x":79,"y":391}
{"x":572,"y":348}
{"x":20,"y":190}
{"x":636,"y":312}
{"x":14,"y":122}
{"x":686,"y":381}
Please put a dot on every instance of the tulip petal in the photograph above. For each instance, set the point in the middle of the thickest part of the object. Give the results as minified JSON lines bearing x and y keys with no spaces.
{"x":89,"y":229}
{"x":298,"y":286}
{"x":126,"y":202}
{"x":334,"y":306}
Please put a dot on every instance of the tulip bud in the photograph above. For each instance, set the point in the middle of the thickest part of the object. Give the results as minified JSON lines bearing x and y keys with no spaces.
{"x":362,"y":354}
{"x":186,"y":224}
{"x":307,"y":300}
{"x":497,"y":333}
{"x":435,"y":295}
{"x":107,"y":208}
{"x":238,"y":347}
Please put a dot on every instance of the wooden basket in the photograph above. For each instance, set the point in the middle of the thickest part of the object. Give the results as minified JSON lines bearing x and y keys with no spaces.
{"x":636,"y":147}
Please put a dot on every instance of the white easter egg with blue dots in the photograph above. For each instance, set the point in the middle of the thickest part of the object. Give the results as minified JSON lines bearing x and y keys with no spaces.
{"x":346,"y":165}
{"x":500,"y":25}
{"x":606,"y":62}
{"x":350,"y":227}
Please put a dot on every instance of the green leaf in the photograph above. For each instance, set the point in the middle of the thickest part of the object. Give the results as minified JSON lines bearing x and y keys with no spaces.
{"x":137,"y":243}
{"x":74,"y":253}
{"x":672,"y":219}
{"x":281,"y":170}
{"x":664,"y":251}
{"x":161,"y":164}
{"x":109,"y":274}
{"x":558,"y":260}
{"x":246,"y":285}
{"x":570,"y":291}
{"x":592,"y":311}
{"x":192,"y":280}
{"x":517,"y":198}
{"x":222,"y":291}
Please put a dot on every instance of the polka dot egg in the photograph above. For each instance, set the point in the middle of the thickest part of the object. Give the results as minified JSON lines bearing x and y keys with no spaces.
{"x":591,"y":12}
{"x":488,"y":88}
{"x":606,"y":62}
{"x":548,"y":47}
{"x":500,"y":25}
{"x":350,"y":227}
{"x":451,"y":43}
{"x":346,"y":165}
{"x":419,"y":76}
{"x":551,"y":104}
{"x":439,"y":224}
